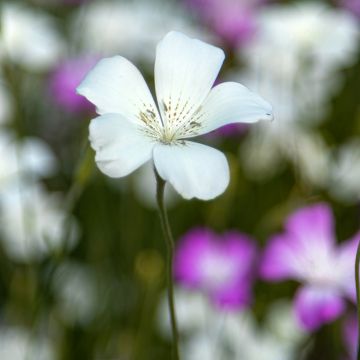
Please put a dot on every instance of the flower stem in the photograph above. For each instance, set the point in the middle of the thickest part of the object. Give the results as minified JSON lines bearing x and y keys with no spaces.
{"x":169,"y":261}
{"x":357,"y":263}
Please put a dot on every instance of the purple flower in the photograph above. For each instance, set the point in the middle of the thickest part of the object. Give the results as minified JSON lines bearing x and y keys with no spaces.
{"x":232,"y":20}
{"x":352,"y":5}
{"x":66,"y":78}
{"x":307,"y":252}
{"x":220,"y":266}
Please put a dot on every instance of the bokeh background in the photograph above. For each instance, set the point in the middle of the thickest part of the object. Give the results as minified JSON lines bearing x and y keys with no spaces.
{"x":82,"y":256}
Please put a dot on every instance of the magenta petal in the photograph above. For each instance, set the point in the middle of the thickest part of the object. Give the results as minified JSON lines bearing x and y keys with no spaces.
{"x":193,"y":246}
{"x":233,"y":297}
{"x":346,"y":263}
{"x":315,"y":306}
{"x":313,"y":226}
{"x":280,"y":259}
{"x":220,"y":266}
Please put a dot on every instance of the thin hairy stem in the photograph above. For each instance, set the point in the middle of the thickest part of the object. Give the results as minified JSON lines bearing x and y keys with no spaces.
{"x":169,"y":261}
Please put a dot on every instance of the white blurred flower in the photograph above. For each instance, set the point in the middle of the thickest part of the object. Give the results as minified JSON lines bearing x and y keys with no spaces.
{"x":281,"y":321}
{"x":193,"y":312}
{"x":344,"y":182}
{"x":263,"y":151}
{"x":75,"y":290}
{"x":29,"y":158}
{"x":293,"y":62}
{"x":303,"y":42}
{"x":29,"y":37}
{"x":33,"y":223}
{"x":20,"y":344}
{"x":210,"y":334}
{"x":130,"y":28}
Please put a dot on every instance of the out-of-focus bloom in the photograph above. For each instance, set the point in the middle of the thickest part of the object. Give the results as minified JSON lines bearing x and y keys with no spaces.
{"x":64,"y":80}
{"x":350,"y":334}
{"x":28,"y":159}
{"x":266,"y":342}
{"x":220,"y":266}
{"x":29,"y":37}
{"x":233,"y":21}
{"x":352,"y":5}
{"x":75,"y":291}
{"x":307,"y":252}
{"x":131,"y":131}
{"x":33,"y":223}
{"x":193,"y":312}
{"x":20,"y":344}
{"x":130,"y":28}
{"x":293,"y":62}
{"x":263,"y":151}
{"x":344,"y":182}
{"x":211,"y":334}
{"x":312,"y":32}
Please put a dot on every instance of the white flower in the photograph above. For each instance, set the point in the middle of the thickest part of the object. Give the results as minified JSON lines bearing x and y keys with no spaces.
{"x":193,"y":312}
{"x":344,"y":181}
{"x":32,"y":222}
{"x":29,"y":37}
{"x":131,"y":130}
{"x":130,"y":28}
{"x":209,"y":333}
{"x":29,"y":158}
{"x":20,"y":344}
{"x":75,"y":290}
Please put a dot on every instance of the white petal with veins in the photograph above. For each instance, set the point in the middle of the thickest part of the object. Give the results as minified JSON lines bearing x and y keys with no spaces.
{"x":120,"y":146}
{"x":193,"y":169}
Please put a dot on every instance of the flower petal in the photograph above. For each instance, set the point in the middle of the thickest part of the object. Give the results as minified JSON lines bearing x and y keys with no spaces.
{"x":231,"y":102}
{"x":194,"y":170}
{"x":196,"y":244}
{"x":345,"y":266}
{"x":120,"y":146}
{"x":115,"y":85}
{"x":315,"y":306}
{"x":281,"y":259}
{"x":185,"y":71}
{"x":313,"y":226}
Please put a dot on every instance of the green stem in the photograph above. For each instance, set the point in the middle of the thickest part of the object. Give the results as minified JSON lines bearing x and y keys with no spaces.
{"x":169,"y":261}
{"x":357,"y":262}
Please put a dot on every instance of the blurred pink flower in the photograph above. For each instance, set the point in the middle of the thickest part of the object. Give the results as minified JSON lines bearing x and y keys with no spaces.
{"x":220,"y":266}
{"x":232,"y":20}
{"x":352,"y":5}
{"x":307,"y":252}
{"x":64,"y":80}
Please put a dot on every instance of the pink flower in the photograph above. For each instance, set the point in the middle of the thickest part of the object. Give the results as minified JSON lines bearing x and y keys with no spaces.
{"x":220,"y":266}
{"x":66,"y":78}
{"x":307,"y":252}
{"x":352,"y":5}
{"x":232,"y":20}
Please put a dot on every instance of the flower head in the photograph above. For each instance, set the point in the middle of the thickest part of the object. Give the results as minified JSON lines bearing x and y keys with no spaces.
{"x":307,"y":252}
{"x":221,"y":267}
{"x":132,"y":129}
